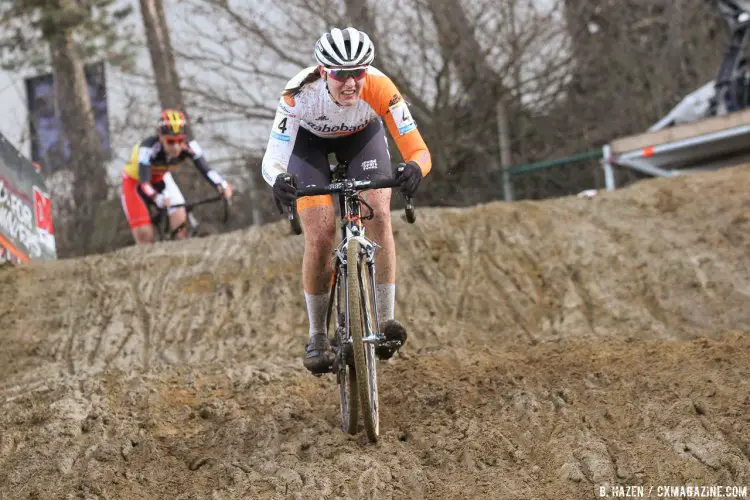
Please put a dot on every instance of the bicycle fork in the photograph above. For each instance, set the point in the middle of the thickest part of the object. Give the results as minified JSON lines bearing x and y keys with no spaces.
{"x":372,"y":327}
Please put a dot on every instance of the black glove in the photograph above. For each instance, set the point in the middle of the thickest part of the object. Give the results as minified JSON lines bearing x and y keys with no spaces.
{"x":409,"y":175}
{"x":284,"y":189}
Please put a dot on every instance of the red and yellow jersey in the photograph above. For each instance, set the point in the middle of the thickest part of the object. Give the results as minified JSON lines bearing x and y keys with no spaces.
{"x":149,"y":153}
{"x":149,"y":163}
{"x":314,"y":110}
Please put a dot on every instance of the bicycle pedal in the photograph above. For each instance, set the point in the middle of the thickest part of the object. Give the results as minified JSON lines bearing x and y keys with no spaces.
{"x":394,"y":331}
{"x":319,"y":371}
{"x":387,"y":349}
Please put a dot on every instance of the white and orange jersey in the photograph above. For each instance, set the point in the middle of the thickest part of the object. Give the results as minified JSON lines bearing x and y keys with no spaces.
{"x":314,"y":110}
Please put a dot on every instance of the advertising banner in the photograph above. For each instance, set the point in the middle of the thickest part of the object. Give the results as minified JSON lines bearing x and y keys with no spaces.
{"x":26,"y":229}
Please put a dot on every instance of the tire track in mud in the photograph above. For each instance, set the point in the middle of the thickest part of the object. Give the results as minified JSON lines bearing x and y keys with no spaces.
{"x":465,"y":280}
{"x":501,"y":276}
{"x":171,"y":318}
{"x":141,"y":312}
{"x":187,"y":355}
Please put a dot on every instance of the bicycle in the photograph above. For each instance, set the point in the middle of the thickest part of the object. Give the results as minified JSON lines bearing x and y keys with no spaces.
{"x":356,"y":332}
{"x":160,"y":218}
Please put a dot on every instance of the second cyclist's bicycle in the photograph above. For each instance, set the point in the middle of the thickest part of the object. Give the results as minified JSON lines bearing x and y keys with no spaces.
{"x":160,"y":218}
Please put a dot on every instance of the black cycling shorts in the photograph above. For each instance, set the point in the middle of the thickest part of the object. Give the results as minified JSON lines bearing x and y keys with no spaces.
{"x":366,"y":151}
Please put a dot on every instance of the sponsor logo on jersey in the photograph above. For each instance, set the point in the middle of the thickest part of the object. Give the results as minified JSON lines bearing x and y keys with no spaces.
{"x":369,"y":164}
{"x":286,"y":111}
{"x":322,"y":118}
{"x":394,"y":100}
{"x":280,"y":137}
{"x":326,"y":129}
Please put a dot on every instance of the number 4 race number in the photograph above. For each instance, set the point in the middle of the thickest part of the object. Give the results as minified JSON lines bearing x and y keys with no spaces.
{"x":279,"y":128}
{"x":282,"y":125}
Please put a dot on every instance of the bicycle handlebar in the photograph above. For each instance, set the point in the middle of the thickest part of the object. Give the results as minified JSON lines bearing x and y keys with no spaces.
{"x":190,"y":205}
{"x":342,"y":187}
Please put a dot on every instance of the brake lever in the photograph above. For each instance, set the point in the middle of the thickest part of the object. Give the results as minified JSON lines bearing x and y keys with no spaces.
{"x":411,"y":216}
{"x":293,"y":218}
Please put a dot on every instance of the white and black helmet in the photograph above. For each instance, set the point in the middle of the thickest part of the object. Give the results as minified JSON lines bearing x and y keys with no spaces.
{"x":344,"y":48}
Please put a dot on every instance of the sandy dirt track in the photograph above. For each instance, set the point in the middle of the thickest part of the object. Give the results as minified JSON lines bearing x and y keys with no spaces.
{"x":554,"y":347}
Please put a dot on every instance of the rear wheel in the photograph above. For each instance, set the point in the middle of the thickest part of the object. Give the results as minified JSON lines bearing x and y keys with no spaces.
{"x":360,"y":317}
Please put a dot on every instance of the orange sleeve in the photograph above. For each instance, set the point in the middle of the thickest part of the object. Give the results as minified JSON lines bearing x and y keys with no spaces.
{"x":383,"y":96}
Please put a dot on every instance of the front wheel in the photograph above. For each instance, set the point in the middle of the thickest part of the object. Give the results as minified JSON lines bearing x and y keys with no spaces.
{"x":349,"y":398}
{"x":345,"y":374}
{"x":360,"y":319}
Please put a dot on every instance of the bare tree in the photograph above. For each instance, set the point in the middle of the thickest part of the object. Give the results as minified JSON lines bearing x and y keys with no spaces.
{"x":646,"y":53}
{"x":77,"y":117}
{"x":162,"y":54}
{"x":451,"y":60}
{"x":630,"y":62}
{"x":358,"y":14}
{"x":61,"y":24}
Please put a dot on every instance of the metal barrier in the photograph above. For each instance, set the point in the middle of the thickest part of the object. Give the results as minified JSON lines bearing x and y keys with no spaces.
{"x":516,"y":170}
{"x":708,"y":144}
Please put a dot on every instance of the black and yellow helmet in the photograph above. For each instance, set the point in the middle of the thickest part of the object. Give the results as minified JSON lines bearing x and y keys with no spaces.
{"x":172,"y":122}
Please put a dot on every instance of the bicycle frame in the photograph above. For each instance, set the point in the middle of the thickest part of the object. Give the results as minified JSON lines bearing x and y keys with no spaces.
{"x":356,"y":332}
{"x":160,"y":219}
{"x":345,"y":364}
{"x":352,"y":229}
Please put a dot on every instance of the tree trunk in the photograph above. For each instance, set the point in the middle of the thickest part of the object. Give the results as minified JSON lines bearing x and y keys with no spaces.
{"x":456,"y":36}
{"x":73,"y":105}
{"x":162,"y":58}
{"x":359,"y":15}
{"x":476,"y":126}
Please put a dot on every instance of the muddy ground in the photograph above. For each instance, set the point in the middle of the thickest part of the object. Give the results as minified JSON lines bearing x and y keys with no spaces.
{"x":555,"y":347}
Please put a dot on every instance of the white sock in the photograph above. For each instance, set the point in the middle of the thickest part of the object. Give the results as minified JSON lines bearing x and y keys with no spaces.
{"x":317,"y":307}
{"x":386,"y":301}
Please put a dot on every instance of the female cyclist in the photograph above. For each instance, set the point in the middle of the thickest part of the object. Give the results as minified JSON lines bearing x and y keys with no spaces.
{"x":338,"y":107}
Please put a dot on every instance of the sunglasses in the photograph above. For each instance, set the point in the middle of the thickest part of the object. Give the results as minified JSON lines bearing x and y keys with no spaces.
{"x":341,"y":75}
{"x":175,"y":140}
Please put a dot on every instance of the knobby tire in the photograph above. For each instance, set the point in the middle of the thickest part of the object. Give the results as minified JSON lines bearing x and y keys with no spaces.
{"x":360,"y":350}
{"x":346,"y":376}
